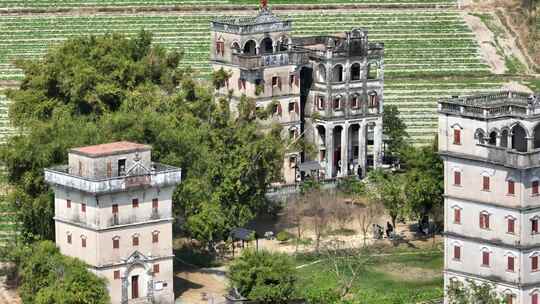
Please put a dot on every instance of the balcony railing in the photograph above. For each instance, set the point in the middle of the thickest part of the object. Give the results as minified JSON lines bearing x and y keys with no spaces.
{"x":504,"y":156}
{"x":115,"y":219}
{"x":251,"y":62}
{"x":161,"y":175}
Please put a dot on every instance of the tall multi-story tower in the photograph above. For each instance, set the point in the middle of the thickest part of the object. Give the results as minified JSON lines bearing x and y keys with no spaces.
{"x":325,"y":89}
{"x":113,"y":210}
{"x":490,"y":148}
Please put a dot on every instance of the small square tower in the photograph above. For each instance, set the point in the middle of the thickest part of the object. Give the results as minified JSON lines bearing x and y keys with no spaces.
{"x":113,"y":210}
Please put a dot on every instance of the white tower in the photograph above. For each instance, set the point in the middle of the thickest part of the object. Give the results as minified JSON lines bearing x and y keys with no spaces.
{"x":113,"y":210}
{"x":490,"y":145}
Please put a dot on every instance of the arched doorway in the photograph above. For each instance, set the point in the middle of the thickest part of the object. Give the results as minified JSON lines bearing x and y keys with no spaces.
{"x":235,"y":48}
{"x":250,"y":48}
{"x":519,"y":139}
{"x":267,"y":46}
{"x":355,"y":71}
{"x":492,"y":138}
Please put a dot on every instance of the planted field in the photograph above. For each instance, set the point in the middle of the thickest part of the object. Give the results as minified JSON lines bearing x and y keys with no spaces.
{"x":105,"y":3}
{"x":7,"y":224}
{"x":390,"y":279}
{"x":419,"y":46}
{"x":5,"y":129}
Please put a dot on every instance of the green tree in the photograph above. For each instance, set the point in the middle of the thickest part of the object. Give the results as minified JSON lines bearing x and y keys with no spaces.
{"x":264,"y":276}
{"x":92,"y":90}
{"x":48,"y":277}
{"x":395,"y":129}
{"x":472,"y":292}
{"x":387,"y":189}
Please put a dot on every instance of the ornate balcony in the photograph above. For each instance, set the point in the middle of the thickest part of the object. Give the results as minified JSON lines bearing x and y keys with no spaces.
{"x":253,"y":62}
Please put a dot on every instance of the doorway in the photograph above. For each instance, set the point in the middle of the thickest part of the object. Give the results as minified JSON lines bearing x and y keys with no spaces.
{"x":135,"y":287}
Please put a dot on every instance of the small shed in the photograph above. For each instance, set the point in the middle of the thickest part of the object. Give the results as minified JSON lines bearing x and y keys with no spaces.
{"x":244,"y":235}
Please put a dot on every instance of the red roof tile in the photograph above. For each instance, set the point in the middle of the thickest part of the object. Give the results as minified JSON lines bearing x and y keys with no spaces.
{"x":110,"y":148}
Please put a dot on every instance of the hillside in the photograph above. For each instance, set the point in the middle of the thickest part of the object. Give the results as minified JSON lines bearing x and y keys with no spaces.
{"x":429,"y":53}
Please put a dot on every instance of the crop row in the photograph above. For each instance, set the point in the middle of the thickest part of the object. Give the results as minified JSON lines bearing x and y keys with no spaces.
{"x":105,"y":3}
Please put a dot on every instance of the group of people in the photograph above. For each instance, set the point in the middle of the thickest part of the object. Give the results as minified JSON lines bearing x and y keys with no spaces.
{"x":378,"y":231}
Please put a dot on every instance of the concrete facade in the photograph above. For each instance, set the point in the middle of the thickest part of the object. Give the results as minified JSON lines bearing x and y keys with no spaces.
{"x":327,"y":90}
{"x":490,"y":145}
{"x":113,"y":210}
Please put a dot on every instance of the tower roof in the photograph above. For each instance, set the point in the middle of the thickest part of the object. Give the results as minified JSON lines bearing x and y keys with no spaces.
{"x":118,"y":147}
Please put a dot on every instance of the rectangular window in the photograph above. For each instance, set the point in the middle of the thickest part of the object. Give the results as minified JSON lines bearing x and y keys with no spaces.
{"x":484,"y":220}
{"x":116,"y":243}
{"x":457,"y":216}
{"x":337,"y":103}
{"x":83,"y":243}
{"x":457,"y":178}
{"x":534,"y":263}
{"x":135,"y":241}
{"x":69,"y":238}
{"x":457,"y":137}
{"x":135,"y":203}
{"x":155,"y":237}
{"x":115,"y":208}
{"x":510,"y":264}
{"x":485,"y":258}
{"x":534,"y":226}
{"x":156,"y":268}
{"x":117,"y":274}
{"x":457,"y":253}
{"x":535,"y":188}
{"x":83,"y":207}
{"x":511,"y":187}
{"x":121,"y":167}
{"x":320,"y":103}
{"x":68,"y":203}
{"x":511,"y":225}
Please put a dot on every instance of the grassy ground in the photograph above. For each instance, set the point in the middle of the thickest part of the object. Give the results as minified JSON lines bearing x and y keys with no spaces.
{"x":403,"y":276}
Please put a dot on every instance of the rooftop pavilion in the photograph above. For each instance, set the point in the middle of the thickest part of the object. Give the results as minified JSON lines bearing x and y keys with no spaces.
{"x":111,"y":167}
{"x":493,"y":105}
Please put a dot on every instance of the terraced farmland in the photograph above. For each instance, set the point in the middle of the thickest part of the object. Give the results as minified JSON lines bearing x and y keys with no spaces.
{"x":5,"y":129}
{"x":47,"y":4}
{"x":7,"y":225}
{"x":418,"y":45}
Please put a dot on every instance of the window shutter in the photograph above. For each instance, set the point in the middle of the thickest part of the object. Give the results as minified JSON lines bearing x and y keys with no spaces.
{"x":457,"y":178}
{"x":115,"y":208}
{"x":155,"y":203}
{"x":279,"y":110}
{"x":511,"y":187}
{"x":534,"y":224}
{"x":240,"y":84}
{"x":511,"y":225}
{"x":83,"y":207}
{"x":117,"y":274}
{"x":485,"y":258}
{"x":135,"y":241}
{"x":534,"y":298}
{"x":135,"y":203}
{"x":509,"y":299}
{"x":296,"y":80}
{"x":482,"y":223}
{"x":510,"y":263}
{"x":457,"y":137}
{"x":296,"y":108}
{"x":83,"y":242}
{"x":116,"y":243}
{"x":485,"y":183}
{"x":156,"y":268}
{"x":109,"y":169}
{"x":534,"y":263}
{"x":68,"y":203}
{"x":279,"y":82}
{"x":486,"y":220}
{"x":457,"y":253}
{"x":155,"y":237}
{"x":69,"y":238}
{"x":457,"y":216}
{"x":535,"y":187}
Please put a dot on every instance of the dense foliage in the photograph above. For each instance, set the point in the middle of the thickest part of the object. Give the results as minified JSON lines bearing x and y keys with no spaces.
{"x":47,"y":277}
{"x":472,"y":292}
{"x":264,"y":276}
{"x":395,"y":129}
{"x":100,"y":89}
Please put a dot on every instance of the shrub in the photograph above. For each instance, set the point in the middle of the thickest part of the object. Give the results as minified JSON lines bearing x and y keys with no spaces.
{"x":263,"y":276}
{"x":283,"y":236}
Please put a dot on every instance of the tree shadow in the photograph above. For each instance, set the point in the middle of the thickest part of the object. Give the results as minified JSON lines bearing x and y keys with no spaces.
{"x":182,"y":285}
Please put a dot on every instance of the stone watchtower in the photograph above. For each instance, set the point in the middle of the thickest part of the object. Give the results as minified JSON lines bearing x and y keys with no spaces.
{"x":113,"y":210}
{"x":490,"y":145}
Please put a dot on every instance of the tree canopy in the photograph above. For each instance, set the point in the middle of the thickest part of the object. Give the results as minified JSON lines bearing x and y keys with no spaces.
{"x":48,"y":277}
{"x":395,"y":129}
{"x":98,"y":89}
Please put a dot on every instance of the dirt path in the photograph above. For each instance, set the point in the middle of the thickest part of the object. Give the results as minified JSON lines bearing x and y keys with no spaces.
{"x":7,"y":295}
{"x":486,"y":40}
{"x":200,"y":286}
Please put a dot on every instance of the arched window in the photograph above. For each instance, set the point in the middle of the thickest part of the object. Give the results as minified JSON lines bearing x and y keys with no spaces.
{"x":116,"y":242}
{"x":519,"y":139}
{"x":479,"y":135}
{"x":504,"y":138}
{"x":510,"y":261}
{"x":486,"y":257}
{"x":337,"y":73}
{"x":492,"y":138}
{"x":321,"y":73}
{"x":235,"y":47}
{"x":536,"y":135}
{"x":250,"y":48}
{"x":355,"y":71}
{"x":267,"y":46}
